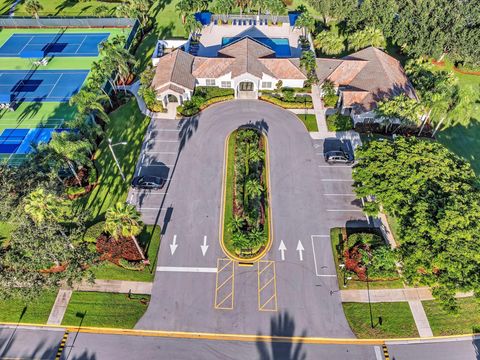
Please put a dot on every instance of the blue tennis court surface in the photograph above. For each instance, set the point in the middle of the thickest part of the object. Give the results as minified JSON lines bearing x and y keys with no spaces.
{"x":20,"y":141}
{"x":53,"y":44}
{"x":42,"y":85}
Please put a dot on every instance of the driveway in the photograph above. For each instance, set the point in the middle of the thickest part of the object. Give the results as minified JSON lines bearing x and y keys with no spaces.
{"x":196,"y":288}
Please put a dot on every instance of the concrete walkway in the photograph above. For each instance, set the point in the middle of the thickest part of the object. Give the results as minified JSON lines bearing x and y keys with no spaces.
{"x":59,"y":307}
{"x":414,"y":297}
{"x":116,"y":286}
{"x":320,"y":114}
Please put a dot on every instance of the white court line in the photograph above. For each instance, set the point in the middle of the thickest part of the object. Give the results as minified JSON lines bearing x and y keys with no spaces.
{"x":78,"y":48}
{"x":336,"y":180}
{"x":313,"y":249}
{"x":54,"y":85}
{"x":345,"y":210}
{"x":187,"y":269}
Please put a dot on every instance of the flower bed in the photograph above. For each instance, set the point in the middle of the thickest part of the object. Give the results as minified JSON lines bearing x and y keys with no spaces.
{"x":246,"y":209}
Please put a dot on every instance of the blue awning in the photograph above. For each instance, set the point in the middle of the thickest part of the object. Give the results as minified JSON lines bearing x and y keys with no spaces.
{"x":205,"y":17}
{"x":32,"y":54}
{"x":293,"y":16}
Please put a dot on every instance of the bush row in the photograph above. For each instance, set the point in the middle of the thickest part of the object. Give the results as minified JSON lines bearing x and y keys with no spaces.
{"x":300,"y":102}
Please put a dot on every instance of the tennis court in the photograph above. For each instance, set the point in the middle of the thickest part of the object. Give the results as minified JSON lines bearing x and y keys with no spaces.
{"x":42,"y":85}
{"x":65,"y":44}
{"x":20,"y":141}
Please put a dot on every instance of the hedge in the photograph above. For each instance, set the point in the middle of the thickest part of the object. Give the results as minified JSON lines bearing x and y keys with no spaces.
{"x":190,"y":111}
{"x":210,"y":92}
{"x":287,"y":105}
{"x":216,"y":100}
{"x":338,"y":122}
{"x":330,"y":100}
{"x":94,"y":231}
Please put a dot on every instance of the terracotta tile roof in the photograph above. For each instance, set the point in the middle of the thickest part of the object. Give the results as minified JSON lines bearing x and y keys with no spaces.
{"x":352,"y":97}
{"x":325,"y":67}
{"x":382,"y":76}
{"x":172,"y":87}
{"x":175,"y":67}
{"x":211,"y":67}
{"x":246,"y":52}
{"x":283,"y":69}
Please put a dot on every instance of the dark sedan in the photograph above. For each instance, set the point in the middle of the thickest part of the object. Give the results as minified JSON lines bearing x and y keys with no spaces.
{"x":148,"y":182}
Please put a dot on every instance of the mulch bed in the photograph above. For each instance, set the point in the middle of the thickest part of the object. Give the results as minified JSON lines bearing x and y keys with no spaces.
{"x":113,"y":250}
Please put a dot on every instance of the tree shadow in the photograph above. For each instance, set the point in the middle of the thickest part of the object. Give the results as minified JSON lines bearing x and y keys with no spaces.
{"x":65,"y":4}
{"x":476,"y":345}
{"x":281,"y":326}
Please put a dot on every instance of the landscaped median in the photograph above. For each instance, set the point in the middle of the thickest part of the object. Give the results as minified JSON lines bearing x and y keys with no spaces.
{"x":245,"y":231}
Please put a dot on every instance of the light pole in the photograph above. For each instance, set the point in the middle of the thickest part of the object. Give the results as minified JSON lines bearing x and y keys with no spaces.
{"x":345,"y":277}
{"x":110,"y":146}
{"x":368,"y":293}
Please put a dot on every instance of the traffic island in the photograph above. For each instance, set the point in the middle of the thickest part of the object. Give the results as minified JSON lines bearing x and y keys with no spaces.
{"x":245,"y":233}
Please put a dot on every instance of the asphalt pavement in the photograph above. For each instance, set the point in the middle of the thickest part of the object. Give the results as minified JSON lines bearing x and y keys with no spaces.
{"x":196,"y":288}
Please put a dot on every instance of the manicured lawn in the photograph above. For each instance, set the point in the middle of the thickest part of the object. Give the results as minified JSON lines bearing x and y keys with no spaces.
{"x":36,"y":312}
{"x":466,"y":321}
{"x":354,"y":283}
{"x":68,"y":8}
{"x":128,"y":124}
{"x":397,"y":320}
{"x":309,"y":120}
{"x":149,"y":239}
{"x":464,"y":138}
{"x":5,"y":6}
{"x":5,"y":231}
{"x":105,"y":309}
{"x":227,"y":233}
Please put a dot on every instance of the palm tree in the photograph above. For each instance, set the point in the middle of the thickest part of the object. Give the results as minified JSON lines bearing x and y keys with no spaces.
{"x":184,"y":8}
{"x":118,"y":58}
{"x":400,"y":108}
{"x":89,"y":103}
{"x":253,"y":188}
{"x":72,"y":150}
{"x":123,"y":220}
{"x":102,"y":11}
{"x":224,"y":7}
{"x":276,"y":7}
{"x":330,"y":43}
{"x":140,"y":9}
{"x":370,"y":36}
{"x":308,"y":62}
{"x":240,"y":241}
{"x":41,"y":206}
{"x":192,"y":26}
{"x":33,"y":7}
{"x":256,"y":237}
{"x":306,"y":22}
{"x":236,"y":224}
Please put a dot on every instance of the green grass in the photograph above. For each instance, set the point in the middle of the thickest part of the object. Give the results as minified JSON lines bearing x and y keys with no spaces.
{"x":149,"y":239}
{"x":128,"y":124}
{"x":36,"y":312}
{"x":5,"y":232}
{"x":105,"y":309}
{"x":228,"y":214}
{"x":338,"y":122}
{"x":354,"y":283}
{"x":397,"y":320}
{"x":465,"y":321}
{"x":68,"y":8}
{"x":309,"y":120}
{"x":464,"y":138}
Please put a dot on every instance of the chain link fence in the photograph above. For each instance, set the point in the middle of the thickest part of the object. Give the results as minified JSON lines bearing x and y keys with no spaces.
{"x":74,"y":21}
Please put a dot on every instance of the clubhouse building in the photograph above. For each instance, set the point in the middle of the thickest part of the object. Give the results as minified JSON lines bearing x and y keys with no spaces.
{"x":251,"y":57}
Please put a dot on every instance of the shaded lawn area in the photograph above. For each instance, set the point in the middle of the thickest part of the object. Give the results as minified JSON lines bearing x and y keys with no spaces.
{"x":465,"y":321}
{"x":149,"y":239}
{"x":309,"y":120}
{"x":105,"y":309}
{"x":397,"y":320}
{"x":68,"y":8}
{"x":5,"y":6}
{"x":128,"y":124}
{"x":464,"y":138}
{"x":36,"y":312}
{"x":354,"y":283}
{"x":5,"y":232}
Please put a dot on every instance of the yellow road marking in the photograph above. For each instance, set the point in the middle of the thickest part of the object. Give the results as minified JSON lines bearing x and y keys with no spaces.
{"x":271,"y":283}
{"x":62,"y":346}
{"x":385,"y":352}
{"x":224,"y":265}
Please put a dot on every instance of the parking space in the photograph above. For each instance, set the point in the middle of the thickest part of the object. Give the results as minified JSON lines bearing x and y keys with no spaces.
{"x":158,"y":157}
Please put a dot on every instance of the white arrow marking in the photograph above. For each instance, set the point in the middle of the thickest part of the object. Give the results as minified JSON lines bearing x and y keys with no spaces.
{"x":282,"y":249}
{"x":300,"y":250}
{"x":173,"y":245}
{"x":204,"y":246}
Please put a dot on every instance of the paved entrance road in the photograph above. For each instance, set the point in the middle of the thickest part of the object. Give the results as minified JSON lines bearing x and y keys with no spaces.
{"x":43,"y":343}
{"x":308,"y":198}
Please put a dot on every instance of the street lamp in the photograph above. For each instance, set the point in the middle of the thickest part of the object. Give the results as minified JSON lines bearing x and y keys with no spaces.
{"x":368,"y":293}
{"x":345,"y":277}
{"x":110,"y":146}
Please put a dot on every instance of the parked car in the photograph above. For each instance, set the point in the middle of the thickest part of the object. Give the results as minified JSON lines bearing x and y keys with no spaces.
{"x":148,"y":182}
{"x":338,"y":156}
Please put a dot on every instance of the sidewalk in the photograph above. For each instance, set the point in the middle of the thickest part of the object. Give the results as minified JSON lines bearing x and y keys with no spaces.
{"x":320,"y":115}
{"x":59,"y":307}
{"x":116,"y":286}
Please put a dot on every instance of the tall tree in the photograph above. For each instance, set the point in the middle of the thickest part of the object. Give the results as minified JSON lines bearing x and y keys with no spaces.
{"x":305,"y":22}
{"x":434,"y":196}
{"x":33,"y":7}
{"x":123,"y":220}
{"x":379,"y":14}
{"x":224,"y":8}
{"x":41,"y":205}
{"x":367,"y":37}
{"x":184,"y":8}
{"x":192,"y":26}
{"x":90,"y":103}
{"x":276,"y":8}
{"x":400,"y":110}
{"x":308,"y":62}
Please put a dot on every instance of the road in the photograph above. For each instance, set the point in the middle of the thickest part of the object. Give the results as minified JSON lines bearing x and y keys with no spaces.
{"x":197,"y":290}
{"x":43,"y":343}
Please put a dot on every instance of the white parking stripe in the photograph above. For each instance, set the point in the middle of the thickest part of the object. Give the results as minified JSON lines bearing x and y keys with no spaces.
{"x":336,"y":180}
{"x":344,"y":210}
{"x":352,"y":195}
{"x":335,"y":166}
{"x":187,"y":269}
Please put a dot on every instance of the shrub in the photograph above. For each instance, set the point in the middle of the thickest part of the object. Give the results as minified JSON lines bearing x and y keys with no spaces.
{"x":330,"y":100}
{"x":216,"y":100}
{"x":338,"y":122}
{"x":92,"y":175}
{"x":364,"y":239}
{"x":289,"y":105}
{"x":192,"y":107}
{"x":93,"y":232}
{"x":131,"y":265}
{"x":209,"y":92}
